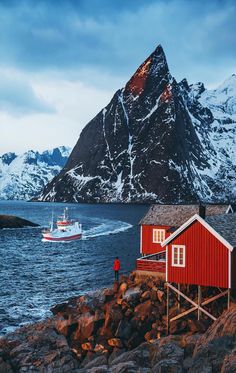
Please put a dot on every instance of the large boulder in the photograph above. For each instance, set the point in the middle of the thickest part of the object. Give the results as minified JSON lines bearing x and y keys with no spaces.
{"x":37,"y":348}
{"x":215,"y":347}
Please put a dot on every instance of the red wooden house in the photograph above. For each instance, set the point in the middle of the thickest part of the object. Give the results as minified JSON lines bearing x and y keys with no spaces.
{"x":159,"y":223}
{"x":202,"y":252}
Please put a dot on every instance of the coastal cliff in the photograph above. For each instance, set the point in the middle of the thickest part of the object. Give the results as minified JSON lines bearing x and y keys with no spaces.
{"x":122,"y":330}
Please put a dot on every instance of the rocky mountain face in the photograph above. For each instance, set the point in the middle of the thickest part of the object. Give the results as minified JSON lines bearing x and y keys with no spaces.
{"x":24,"y":176}
{"x":156,"y":141}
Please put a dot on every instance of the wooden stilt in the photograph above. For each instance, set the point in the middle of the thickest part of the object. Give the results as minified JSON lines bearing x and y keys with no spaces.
{"x":192,"y":302}
{"x":228,"y":298}
{"x":167,"y":310}
{"x":178,"y":298}
{"x":196,"y":306}
{"x":199,"y":314}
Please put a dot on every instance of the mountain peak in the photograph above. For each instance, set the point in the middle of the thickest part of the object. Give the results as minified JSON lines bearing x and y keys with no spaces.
{"x":229,"y":83}
{"x":155,"y":66}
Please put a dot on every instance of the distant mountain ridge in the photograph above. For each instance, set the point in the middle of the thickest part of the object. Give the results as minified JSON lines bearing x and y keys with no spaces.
{"x":24,"y":176}
{"x":156,"y":141}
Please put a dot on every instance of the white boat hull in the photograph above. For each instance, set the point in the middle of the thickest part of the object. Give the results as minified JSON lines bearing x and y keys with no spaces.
{"x":67,"y":230}
{"x":51,"y":237}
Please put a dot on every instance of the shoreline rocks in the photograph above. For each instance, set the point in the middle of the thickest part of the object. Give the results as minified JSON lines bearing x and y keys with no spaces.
{"x":10,"y":221}
{"x":121,"y":330}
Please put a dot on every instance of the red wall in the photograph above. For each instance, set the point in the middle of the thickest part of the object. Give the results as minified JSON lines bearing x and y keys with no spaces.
{"x":148,"y":247}
{"x":206,"y":258}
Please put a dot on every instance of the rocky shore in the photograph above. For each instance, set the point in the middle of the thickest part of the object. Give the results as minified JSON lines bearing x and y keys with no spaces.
{"x":10,"y":221}
{"x":123,"y":330}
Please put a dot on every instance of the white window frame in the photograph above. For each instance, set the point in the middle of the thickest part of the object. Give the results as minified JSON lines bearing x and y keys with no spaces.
{"x":178,"y":247}
{"x":155,"y":232}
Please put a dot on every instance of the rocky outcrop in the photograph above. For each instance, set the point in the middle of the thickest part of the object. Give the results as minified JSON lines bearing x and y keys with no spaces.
{"x":215,"y":351}
{"x":10,"y":221}
{"x":121,"y":330}
{"x":157,"y":140}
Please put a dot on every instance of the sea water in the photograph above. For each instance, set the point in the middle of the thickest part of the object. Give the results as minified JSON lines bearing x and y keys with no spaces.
{"x":35,"y":275}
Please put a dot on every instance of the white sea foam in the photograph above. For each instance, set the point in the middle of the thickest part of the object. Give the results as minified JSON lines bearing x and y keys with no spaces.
{"x":106,"y":228}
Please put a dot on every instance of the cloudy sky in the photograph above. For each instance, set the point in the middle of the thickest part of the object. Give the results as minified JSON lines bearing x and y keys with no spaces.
{"x":61,"y":61}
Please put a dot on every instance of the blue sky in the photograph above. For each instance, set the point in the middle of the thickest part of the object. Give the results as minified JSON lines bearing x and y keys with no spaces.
{"x":61,"y":61}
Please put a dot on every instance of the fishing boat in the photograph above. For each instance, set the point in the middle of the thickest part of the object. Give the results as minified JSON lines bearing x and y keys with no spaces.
{"x":66,"y":229}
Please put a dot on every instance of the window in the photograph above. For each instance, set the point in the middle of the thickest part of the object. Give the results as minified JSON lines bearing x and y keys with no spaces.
{"x":158,"y":235}
{"x":178,"y":255}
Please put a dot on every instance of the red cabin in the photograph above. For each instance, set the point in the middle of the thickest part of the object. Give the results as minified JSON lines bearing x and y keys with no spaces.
{"x":201,"y":252}
{"x":159,"y":223}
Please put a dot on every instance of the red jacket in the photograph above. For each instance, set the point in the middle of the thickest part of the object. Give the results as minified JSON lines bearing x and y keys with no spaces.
{"x":116,"y":266}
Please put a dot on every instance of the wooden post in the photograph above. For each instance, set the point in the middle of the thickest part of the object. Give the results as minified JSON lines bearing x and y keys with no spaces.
{"x":228,"y":298}
{"x":199,"y":314}
{"x":178,"y":298}
{"x":167,"y":309}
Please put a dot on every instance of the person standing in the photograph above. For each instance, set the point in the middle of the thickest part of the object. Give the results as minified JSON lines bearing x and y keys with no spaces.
{"x":116,"y":268}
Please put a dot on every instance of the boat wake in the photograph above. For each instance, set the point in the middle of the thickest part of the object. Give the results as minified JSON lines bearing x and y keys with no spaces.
{"x":106,"y":228}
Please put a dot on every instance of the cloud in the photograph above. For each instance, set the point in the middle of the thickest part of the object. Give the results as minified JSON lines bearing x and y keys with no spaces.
{"x":75,"y":103}
{"x":116,"y":36}
{"x":18,"y":97}
{"x":61,"y":61}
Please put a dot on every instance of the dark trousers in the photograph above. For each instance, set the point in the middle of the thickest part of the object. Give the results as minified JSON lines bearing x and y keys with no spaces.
{"x":116,"y":275}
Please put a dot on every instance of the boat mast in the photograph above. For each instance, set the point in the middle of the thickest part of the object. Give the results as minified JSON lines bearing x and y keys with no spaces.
{"x":51,"y":228}
{"x":66,"y":213}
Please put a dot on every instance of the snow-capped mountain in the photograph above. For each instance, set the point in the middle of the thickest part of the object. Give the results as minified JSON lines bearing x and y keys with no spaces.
{"x":24,"y":176}
{"x":157,"y":140}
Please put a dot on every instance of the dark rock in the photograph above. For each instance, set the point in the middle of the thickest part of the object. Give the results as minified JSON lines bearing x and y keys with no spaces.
{"x":225,"y":325}
{"x":143,"y":309}
{"x":126,"y":367}
{"x":169,"y":352}
{"x":212,"y":355}
{"x":115,"y":354}
{"x":124,"y":330}
{"x":216,"y":344}
{"x":179,"y":326}
{"x":167,"y":366}
{"x":99,"y":369}
{"x":85,"y":327}
{"x":96,"y":362}
{"x":140,"y":355}
{"x":146,"y":295}
{"x":5,"y":367}
{"x":37,"y":346}
{"x":9,"y":221}
{"x":229,"y":363}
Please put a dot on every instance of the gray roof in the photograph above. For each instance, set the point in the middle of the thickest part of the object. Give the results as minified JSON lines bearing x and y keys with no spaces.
{"x":176,"y":215}
{"x":225,"y":225}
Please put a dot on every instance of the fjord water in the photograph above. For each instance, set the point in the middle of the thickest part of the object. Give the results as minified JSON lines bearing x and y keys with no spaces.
{"x":35,"y":275}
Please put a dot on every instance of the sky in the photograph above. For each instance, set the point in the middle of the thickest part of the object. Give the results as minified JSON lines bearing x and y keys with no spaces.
{"x":61,"y":61}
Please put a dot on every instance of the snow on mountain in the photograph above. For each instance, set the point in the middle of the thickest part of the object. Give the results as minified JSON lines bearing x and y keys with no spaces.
{"x":24,"y":176}
{"x":156,"y":141}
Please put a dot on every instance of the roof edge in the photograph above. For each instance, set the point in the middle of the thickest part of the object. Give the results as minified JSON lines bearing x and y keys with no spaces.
{"x":205,"y":224}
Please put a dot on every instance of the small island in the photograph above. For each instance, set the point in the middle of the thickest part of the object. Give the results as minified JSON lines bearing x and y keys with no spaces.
{"x":11,"y":221}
